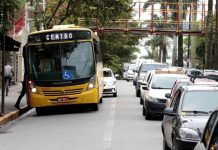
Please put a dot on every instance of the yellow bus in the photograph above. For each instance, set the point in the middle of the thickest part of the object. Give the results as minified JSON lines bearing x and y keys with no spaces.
{"x":63,"y":66}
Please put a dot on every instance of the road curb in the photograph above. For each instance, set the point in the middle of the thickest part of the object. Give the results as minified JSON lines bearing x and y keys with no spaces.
{"x":13,"y":115}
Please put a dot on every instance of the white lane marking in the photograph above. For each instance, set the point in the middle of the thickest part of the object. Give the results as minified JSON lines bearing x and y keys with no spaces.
{"x":107,"y":138}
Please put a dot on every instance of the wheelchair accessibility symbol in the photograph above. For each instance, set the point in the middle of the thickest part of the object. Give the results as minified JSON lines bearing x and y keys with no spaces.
{"x":67,"y":75}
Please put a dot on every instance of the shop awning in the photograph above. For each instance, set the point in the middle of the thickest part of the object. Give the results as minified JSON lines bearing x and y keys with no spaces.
{"x":10,"y":43}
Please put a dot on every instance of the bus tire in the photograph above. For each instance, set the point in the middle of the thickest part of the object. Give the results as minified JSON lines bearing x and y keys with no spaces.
{"x":94,"y":107}
{"x":40,"y":111}
{"x":101,"y":100}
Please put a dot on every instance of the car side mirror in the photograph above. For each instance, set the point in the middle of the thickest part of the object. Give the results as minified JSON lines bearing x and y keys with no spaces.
{"x":168,"y":95}
{"x":142,"y":82}
{"x":169,"y":112}
{"x":145,"y":87}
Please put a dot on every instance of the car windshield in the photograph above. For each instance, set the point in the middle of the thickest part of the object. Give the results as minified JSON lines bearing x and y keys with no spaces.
{"x":200,"y":101}
{"x":131,"y":67}
{"x":107,"y":73}
{"x":148,"y":67}
{"x":163,"y":82}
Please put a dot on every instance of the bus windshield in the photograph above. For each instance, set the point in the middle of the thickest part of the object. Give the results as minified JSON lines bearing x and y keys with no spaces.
{"x":61,"y":61}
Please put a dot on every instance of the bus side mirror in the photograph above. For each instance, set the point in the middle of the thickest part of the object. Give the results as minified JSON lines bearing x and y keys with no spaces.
{"x":97,"y":47}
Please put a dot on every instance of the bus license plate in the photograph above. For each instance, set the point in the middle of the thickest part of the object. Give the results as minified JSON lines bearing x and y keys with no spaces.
{"x":63,"y":99}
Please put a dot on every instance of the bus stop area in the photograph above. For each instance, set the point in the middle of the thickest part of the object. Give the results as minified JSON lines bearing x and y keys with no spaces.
{"x":10,"y":111}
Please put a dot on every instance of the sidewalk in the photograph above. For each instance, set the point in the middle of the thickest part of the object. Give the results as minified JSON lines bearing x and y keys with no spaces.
{"x":10,"y":112}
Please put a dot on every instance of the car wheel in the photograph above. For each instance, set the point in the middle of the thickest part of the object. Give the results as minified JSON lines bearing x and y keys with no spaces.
{"x":115,"y":94}
{"x":101,"y":100}
{"x":141,"y":100}
{"x":147,"y":114}
{"x":165,"y":147}
{"x":143,"y":110}
{"x":137,"y":93}
{"x":127,"y":80}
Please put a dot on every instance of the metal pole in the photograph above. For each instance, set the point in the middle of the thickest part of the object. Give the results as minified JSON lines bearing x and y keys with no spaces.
{"x":189,"y":42}
{"x":3,"y":62}
{"x":216,"y":45}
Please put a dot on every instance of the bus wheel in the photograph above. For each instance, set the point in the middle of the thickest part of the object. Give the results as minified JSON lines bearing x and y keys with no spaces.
{"x":94,"y":107}
{"x":40,"y":111}
{"x":101,"y":100}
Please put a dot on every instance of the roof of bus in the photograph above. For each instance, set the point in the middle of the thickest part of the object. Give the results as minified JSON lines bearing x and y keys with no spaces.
{"x":66,"y":28}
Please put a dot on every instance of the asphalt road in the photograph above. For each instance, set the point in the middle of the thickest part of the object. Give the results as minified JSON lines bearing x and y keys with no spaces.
{"x":118,"y":125}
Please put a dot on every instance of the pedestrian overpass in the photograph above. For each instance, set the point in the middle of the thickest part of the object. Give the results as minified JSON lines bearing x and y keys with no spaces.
{"x":162,"y":18}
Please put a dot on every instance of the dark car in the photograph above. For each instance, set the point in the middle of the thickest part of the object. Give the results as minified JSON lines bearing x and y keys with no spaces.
{"x":185,"y":119}
{"x":209,"y":139}
{"x":142,"y":70}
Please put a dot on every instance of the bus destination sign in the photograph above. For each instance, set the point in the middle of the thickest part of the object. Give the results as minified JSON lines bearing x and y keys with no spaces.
{"x":59,"y":36}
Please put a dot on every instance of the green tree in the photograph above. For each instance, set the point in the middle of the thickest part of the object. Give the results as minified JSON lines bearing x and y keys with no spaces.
{"x":172,"y":6}
{"x":116,"y":47}
{"x":8,"y":11}
{"x":209,"y":47}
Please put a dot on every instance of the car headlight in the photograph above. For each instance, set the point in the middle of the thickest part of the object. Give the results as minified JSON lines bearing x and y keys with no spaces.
{"x":153,"y":99}
{"x":188,"y":134}
{"x":110,"y":83}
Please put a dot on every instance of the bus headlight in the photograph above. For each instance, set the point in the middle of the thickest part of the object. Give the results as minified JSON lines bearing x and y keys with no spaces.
{"x":34,"y":90}
{"x":32,"y":87}
{"x":91,"y":83}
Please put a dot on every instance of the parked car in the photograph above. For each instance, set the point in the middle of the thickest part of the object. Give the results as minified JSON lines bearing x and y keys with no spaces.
{"x":178,"y":83}
{"x":138,"y":64}
{"x":143,"y":69}
{"x":160,"y":83}
{"x":125,"y":75}
{"x":130,"y":72}
{"x":211,"y":74}
{"x":193,"y":72}
{"x":110,"y":82}
{"x":209,"y":138}
{"x":185,"y":119}
{"x":144,"y":84}
{"x":188,"y":81}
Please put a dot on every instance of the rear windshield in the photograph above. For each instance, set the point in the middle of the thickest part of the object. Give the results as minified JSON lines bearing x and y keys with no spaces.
{"x":107,"y":73}
{"x":163,"y":82}
{"x":200,"y":101}
{"x":149,"y":67}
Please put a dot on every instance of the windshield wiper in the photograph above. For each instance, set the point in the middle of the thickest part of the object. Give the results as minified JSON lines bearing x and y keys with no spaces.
{"x":197,"y":112}
{"x":154,"y":87}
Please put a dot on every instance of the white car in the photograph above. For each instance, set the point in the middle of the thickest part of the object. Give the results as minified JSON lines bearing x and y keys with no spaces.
{"x":110,"y":82}
{"x":153,"y":96}
{"x":130,"y":72}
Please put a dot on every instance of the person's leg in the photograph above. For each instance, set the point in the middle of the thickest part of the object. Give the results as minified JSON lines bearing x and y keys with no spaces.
{"x":6,"y":85}
{"x":20,"y":97}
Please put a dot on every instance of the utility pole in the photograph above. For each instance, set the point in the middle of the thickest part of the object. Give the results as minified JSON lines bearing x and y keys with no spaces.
{"x":3,"y":60}
{"x":216,"y":31}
